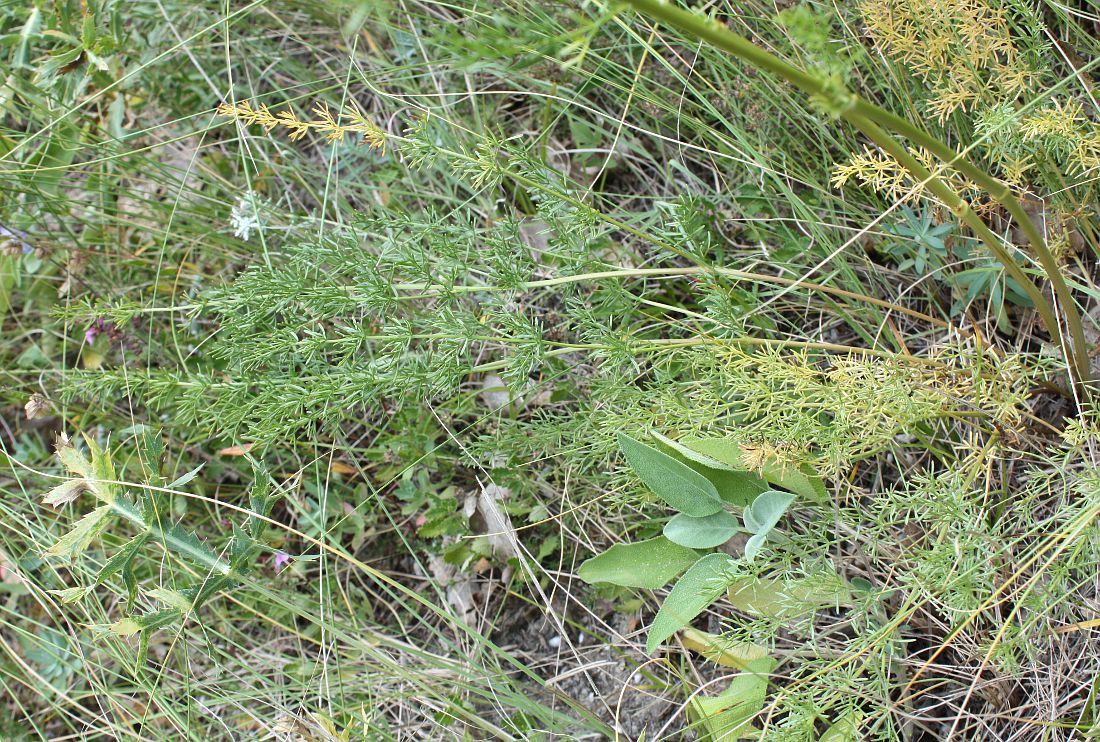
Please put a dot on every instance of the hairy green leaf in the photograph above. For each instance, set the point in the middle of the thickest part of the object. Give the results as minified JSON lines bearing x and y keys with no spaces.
{"x":702,"y":533}
{"x":689,"y":597}
{"x":761,"y":517}
{"x":786,"y":599}
{"x":674,"y":482}
{"x":735,"y":486}
{"x":798,"y":479}
{"x":728,"y":715}
{"x":647,"y":564}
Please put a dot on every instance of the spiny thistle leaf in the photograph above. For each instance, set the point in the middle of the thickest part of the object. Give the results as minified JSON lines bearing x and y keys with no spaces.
{"x":66,"y":492}
{"x":76,"y":541}
{"x":72,"y":458}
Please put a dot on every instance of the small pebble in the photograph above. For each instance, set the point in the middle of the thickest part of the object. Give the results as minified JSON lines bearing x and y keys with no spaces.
{"x":554,"y":641}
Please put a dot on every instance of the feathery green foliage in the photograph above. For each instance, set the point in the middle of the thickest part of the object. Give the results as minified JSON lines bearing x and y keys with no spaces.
{"x":548,"y":370}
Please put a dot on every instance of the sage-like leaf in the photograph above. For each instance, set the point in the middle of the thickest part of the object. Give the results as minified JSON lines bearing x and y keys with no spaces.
{"x":680,"y":486}
{"x":702,"y":533}
{"x":690,"y":596}
{"x":647,"y":564}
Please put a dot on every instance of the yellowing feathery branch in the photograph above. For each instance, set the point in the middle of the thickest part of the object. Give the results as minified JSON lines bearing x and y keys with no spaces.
{"x":334,"y":127}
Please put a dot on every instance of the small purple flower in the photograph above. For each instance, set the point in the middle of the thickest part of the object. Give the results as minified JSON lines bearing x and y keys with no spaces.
{"x":14,"y":241}
{"x":98,"y":327}
{"x":281,"y":560}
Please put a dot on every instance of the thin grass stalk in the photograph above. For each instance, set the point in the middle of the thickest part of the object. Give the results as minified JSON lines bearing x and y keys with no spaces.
{"x":874,"y":122}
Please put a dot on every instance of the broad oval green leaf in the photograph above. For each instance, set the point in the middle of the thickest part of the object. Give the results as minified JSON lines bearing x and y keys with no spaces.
{"x":845,"y":728}
{"x":723,"y":651}
{"x":735,"y":486}
{"x":648,"y":564}
{"x":674,"y":482}
{"x":689,"y":597}
{"x":729,"y":715}
{"x":798,"y":479}
{"x":766,"y":510}
{"x":788,"y":599}
{"x":702,"y":533}
{"x":761,"y":517}
{"x":754,"y":545}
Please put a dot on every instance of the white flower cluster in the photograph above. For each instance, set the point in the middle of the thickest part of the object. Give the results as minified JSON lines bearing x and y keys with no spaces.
{"x":249,"y":214}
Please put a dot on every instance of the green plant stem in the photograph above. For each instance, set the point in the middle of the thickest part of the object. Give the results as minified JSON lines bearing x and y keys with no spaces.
{"x":961,"y":208}
{"x":1003,"y":195}
{"x":621,"y":273}
{"x":870,"y":119}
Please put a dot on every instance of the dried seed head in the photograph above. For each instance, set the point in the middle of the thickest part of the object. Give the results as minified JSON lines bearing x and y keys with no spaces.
{"x":36,"y":406}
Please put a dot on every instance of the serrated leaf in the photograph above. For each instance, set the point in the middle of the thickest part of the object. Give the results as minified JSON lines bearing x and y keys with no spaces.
{"x":154,"y":507}
{"x":208,"y":588}
{"x":702,"y":533}
{"x":73,"y":459}
{"x":186,"y":545}
{"x":65,"y":492}
{"x":129,"y":579}
{"x":186,"y":477}
{"x":121,"y":558}
{"x":171,"y":598}
{"x":103,"y":472}
{"x":125,"y":627}
{"x":695,"y":590}
{"x":71,"y":594}
{"x":680,"y":486}
{"x":77,"y":539}
{"x":135,"y":624}
{"x":646,"y":564}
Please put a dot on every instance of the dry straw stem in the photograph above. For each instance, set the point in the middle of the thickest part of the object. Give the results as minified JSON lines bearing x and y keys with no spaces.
{"x":875,"y":122}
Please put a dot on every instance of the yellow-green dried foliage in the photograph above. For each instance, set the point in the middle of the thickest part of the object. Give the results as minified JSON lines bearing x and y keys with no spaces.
{"x":963,"y":49}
